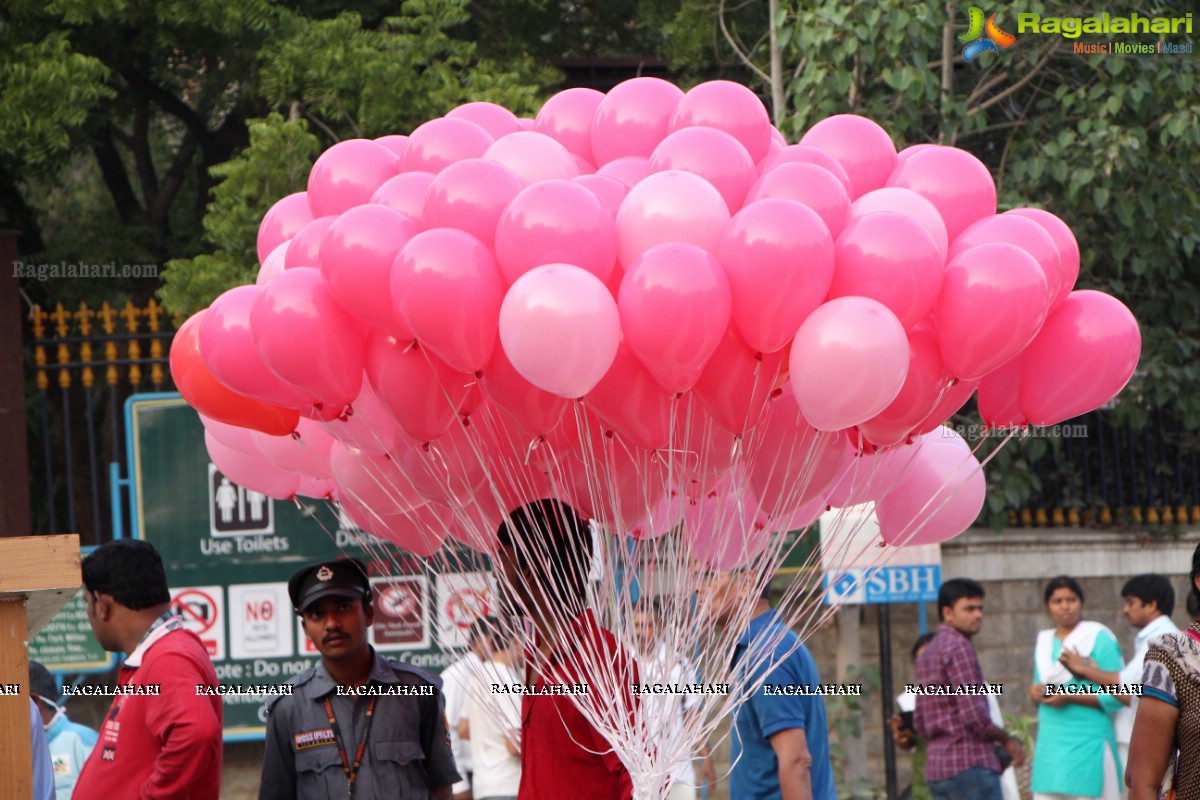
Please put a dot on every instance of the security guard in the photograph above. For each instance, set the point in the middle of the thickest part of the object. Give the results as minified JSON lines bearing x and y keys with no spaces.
{"x":357,"y":725}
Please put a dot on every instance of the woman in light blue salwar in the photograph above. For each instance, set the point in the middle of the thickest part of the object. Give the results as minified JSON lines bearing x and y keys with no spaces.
{"x":1076,"y":751}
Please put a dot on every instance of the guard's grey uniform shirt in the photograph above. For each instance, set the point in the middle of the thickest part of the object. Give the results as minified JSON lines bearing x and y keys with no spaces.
{"x":408,"y":748}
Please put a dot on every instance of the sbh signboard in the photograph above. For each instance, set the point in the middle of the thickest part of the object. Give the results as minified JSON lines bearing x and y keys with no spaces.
{"x":229,"y":552}
{"x":859,"y":568}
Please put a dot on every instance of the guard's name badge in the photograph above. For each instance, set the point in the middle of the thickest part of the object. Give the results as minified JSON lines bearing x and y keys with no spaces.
{"x":314,"y":738}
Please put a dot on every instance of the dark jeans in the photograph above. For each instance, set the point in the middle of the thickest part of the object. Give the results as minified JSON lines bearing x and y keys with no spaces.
{"x":976,"y":783}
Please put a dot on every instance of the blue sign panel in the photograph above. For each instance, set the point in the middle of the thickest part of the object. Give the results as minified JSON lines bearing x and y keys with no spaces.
{"x":911,"y":583}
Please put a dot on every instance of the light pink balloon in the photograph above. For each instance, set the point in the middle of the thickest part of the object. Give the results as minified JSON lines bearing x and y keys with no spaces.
{"x":272,"y":265}
{"x":1083,"y":356}
{"x":357,"y":254}
{"x":675,"y":306}
{"x":909,"y":203}
{"x":448,"y":470}
{"x":923,"y":386}
{"x":533,"y":409}
{"x":609,"y":191}
{"x":1021,"y":232}
{"x":633,"y":118}
{"x":495,"y":119}
{"x":418,"y":388}
{"x":629,"y":170}
{"x":629,"y":400}
{"x":736,"y":381}
{"x":999,"y":397}
{"x":282,"y":222}
{"x":792,"y":462}
{"x":367,"y":425}
{"x":700,"y":449}
{"x":227,"y":346}
{"x":712,"y":154}
{"x":729,"y":107}
{"x":670,"y":207}
{"x":1068,"y":249}
{"x":871,"y":476}
{"x":395,"y":143}
{"x":306,"y":452}
{"x":437,"y":266}
{"x":890,"y":258}
{"x":993,"y":302}
{"x":419,"y":531}
{"x":470,"y":195}
{"x":307,"y":339}
{"x":725,"y":531}
{"x":778,"y":256}
{"x":939,"y":497}
{"x":316,"y":488}
{"x":560,"y":329}
{"x":347,"y":174}
{"x":807,"y":154}
{"x":304,"y":249}
{"x":439,"y":143}
{"x":372,"y":482}
{"x":555,"y":222}
{"x":663,"y":517}
{"x":953,"y":398}
{"x":533,"y":156}
{"x":232,"y":436}
{"x":815,"y":187}
{"x":405,"y":193}
{"x":567,"y":117}
{"x":956,"y":182}
{"x":250,"y":470}
{"x":862,"y":147}
{"x":848,"y":362}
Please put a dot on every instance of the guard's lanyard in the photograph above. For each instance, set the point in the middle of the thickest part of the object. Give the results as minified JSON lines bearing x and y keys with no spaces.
{"x":351,"y":770}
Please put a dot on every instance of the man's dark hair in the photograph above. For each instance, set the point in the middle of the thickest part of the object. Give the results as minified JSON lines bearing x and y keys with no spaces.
{"x":956,"y":589}
{"x":1151,"y":587}
{"x":129,"y":570}
{"x":555,"y":544}
{"x":485,"y":626}
{"x":1062,"y":582}
{"x":925,"y":639}
{"x":1193,"y":598}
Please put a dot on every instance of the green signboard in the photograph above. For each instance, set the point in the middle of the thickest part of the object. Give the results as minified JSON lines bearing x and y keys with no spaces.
{"x":229,"y":553}
{"x":66,"y":644}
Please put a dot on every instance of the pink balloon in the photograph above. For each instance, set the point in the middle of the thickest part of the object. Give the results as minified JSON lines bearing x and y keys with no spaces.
{"x":675,"y":306}
{"x":778,"y":256}
{"x":250,"y":470}
{"x":560,"y":329}
{"x":470,"y":195}
{"x":233,"y":436}
{"x":923,"y":387}
{"x":555,"y":222}
{"x":793,"y":463}
{"x":282,"y":222}
{"x":357,"y":253}
{"x":304,"y":250}
{"x":713,"y":155}
{"x":495,"y":119}
{"x":815,"y":187}
{"x":419,"y":531}
{"x":272,"y":265}
{"x":371,"y":482}
{"x":862,"y":147}
{"x":405,"y":193}
{"x":1083,"y":356}
{"x":633,"y":118}
{"x":807,"y":154}
{"x":993,"y":302}
{"x":227,"y":346}
{"x":670,"y":206}
{"x":629,"y":400}
{"x":999,"y":395}
{"x":953,"y":398}
{"x":1021,"y":232}
{"x":908,"y":203}
{"x":306,"y":452}
{"x":663,"y":517}
{"x":347,"y":174}
{"x":476,"y":524}
{"x":533,"y":156}
{"x":316,"y":488}
{"x":911,"y":150}
{"x":438,"y":266}
{"x":440,"y":142}
{"x":448,"y":470}
{"x":736,"y":381}
{"x":366,"y":426}
{"x":890,"y":258}
{"x":394,"y":143}
{"x":848,"y":362}
{"x":418,"y":388}
{"x":629,"y":170}
{"x":307,"y":339}
{"x":939,"y":497}
{"x":700,"y":448}
{"x":567,"y":118}
{"x":1068,"y":249}
{"x":609,"y":191}
{"x":956,"y":182}
{"x":725,"y":531}
{"x":871,"y":476}
{"x":533,"y":409}
{"x":728,"y":107}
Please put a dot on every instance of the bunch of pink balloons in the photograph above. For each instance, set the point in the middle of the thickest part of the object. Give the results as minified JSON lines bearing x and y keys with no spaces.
{"x":655,"y":289}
